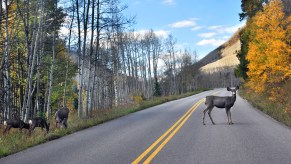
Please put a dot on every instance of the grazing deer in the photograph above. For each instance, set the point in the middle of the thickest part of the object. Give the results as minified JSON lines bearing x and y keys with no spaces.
{"x":14,"y":123}
{"x":38,"y":122}
{"x":220,"y":102}
{"x":61,"y":117}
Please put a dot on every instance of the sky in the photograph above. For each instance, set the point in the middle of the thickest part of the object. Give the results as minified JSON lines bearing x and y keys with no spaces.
{"x":200,"y":25}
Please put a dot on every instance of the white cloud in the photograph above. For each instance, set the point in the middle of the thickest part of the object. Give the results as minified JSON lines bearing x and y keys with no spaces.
{"x":229,"y":30}
{"x":207,"y":34}
{"x":136,"y":3}
{"x":181,"y":24}
{"x":226,"y":29}
{"x":168,"y":2}
{"x":159,"y":33}
{"x":213,"y":42}
{"x":215,"y":27}
{"x":196,"y":28}
{"x":218,"y":34}
{"x":184,"y":23}
{"x":64,"y":31}
{"x":162,"y":33}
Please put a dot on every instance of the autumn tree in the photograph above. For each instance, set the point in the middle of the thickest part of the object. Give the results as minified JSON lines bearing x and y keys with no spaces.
{"x":269,"y":51}
{"x":249,"y":10}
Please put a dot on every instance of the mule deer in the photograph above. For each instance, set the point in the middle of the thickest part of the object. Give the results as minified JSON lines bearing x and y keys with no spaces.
{"x":14,"y":123}
{"x":38,"y":122}
{"x":61,"y":117}
{"x":220,"y":102}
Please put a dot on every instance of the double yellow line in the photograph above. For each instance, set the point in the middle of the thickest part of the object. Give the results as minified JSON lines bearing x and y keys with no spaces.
{"x":169,"y":134}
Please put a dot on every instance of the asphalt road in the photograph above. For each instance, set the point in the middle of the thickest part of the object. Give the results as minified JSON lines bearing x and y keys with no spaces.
{"x":171,"y":133}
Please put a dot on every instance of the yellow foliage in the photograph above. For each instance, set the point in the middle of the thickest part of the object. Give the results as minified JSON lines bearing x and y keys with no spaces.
{"x":11,"y":24}
{"x":269,"y":48}
{"x":137,"y":99}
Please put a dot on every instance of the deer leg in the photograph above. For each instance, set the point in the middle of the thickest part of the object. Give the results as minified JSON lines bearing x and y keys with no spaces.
{"x":65,"y":122}
{"x":227,"y":114}
{"x":229,"y":121}
{"x":230,"y":117}
{"x":6,"y":129}
{"x":31,"y":129}
{"x":209,"y":114}
{"x":204,"y":111}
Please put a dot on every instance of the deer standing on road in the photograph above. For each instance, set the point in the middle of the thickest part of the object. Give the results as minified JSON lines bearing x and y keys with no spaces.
{"x":220,"y":102}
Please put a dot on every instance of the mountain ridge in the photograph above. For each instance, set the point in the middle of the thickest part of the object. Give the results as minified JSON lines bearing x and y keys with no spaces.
{"x":222,"y":56}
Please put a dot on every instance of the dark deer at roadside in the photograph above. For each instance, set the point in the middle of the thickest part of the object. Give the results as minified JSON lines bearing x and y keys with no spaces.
{"x":38,"y":122}
{"x":61,"y":117}
{"x":15,"y":123}
{"x":220,"y":102}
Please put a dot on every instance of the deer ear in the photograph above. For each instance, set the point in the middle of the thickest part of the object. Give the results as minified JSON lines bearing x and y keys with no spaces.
{"x":228,"y":88}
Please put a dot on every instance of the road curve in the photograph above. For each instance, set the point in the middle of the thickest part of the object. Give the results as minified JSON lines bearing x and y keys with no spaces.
{"x":176,"y":128}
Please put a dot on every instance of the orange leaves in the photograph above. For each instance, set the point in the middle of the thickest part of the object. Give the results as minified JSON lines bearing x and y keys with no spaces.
{"x":269,"y":48}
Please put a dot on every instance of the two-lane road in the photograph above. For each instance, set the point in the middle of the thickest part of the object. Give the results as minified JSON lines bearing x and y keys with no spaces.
{"x":172,"y":133}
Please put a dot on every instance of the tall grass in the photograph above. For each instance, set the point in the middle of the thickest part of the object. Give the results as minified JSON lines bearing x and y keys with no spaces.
{"x":262,"y":102}
{"x":16,"y":141}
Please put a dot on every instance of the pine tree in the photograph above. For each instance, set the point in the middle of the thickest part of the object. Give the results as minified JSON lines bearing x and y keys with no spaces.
{"x":157,"y":89}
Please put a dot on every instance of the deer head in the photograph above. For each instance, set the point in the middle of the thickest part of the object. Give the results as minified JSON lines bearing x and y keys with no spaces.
{"x":233,"y":90}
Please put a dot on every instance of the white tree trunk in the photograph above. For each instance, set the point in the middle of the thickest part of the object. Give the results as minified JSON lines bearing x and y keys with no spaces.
{"x":51,"y":75}
{"x":27,"y":103}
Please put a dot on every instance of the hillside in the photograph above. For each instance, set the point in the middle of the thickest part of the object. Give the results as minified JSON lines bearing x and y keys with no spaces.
{"x":222,"y":57}
{"x":217,"y":68}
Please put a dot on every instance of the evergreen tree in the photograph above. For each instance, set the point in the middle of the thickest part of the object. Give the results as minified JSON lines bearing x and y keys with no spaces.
{"x":157,"y":89}
{"x":249,"y":8}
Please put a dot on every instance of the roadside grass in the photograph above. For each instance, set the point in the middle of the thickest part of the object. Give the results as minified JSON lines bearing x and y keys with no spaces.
{"x":16,"y":141}
{"x":262,"y":102}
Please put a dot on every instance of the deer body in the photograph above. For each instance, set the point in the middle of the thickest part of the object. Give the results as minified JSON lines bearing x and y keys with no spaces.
{"x":220,"y":102}
{"x":61,"y":117}
{"x":38,"y":122}
{"x":15,"y":123}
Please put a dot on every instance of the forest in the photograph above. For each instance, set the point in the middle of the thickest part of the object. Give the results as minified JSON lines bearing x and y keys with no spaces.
{"x":265,"y":55}
{"x":85,"y":55}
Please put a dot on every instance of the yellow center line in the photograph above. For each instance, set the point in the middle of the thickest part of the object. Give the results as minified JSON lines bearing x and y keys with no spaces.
{"x":167,"y":132}
{"x":149,"y":159}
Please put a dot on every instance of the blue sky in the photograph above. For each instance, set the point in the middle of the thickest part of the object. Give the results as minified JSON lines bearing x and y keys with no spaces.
{"x":200,"y":25}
